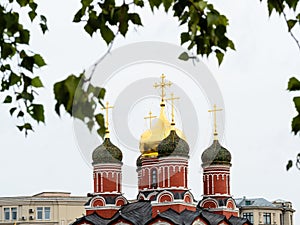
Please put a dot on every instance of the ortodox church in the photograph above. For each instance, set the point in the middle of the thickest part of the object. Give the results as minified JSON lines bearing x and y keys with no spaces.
{"x":163,"y":195}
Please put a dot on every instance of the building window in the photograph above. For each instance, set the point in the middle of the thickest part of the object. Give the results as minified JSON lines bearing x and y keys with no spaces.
{"x":39,"y":213}
{"x":43,"y":213}
{"x":267,"y":218}
{"x":14,"y":213}
{"x":6,"y":213}
{"x":154,"y":178}
{"x":10,"y":213}
{"x":248,"y":216}
{"x":47,"y":213}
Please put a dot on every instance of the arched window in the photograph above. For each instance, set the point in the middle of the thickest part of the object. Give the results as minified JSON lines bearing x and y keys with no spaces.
{"x":154,"y":178}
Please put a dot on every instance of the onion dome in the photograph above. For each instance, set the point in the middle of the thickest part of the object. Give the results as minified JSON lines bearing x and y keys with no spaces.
{"x":151,"y":138}
{"x":107,"y":153}
{"x":216,"y":155}
{"x":173,"y":145}
{"x":139,"y":161}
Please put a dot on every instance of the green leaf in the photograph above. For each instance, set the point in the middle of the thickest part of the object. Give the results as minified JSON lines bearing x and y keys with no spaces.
{"x":291,"y":24}
{"x":297,"y":103}
{"x":167,"y":4}
{"x":7,"y":50}
{"x":12,"y":110}
{"x":293,"y":84}
{"x":296,"y":124}
{"x":101,"y":132}
{"x":38,"y":60}
{"x":33,"y":5}
{"x":135,"y":18}
{"x":220,"y":56}
{"x":292,"y":3}
{"x":36,"y":82}
{"x":64,"y":92}
{"x":101,"y":93}
{"x":100,"y":119}
{"x":139,"y":3}
{"x":289,"y":164}
{"x":14,"y":79}
{"x":24,"y":36}
{"x":28,"y":63}
{"x":185,"y":37}
{"x":86,"y":3}
{"x":20,"y":114}
{"x":8,"y":99}
{"x":37,"y":112}
{"x":32,"y":14}
{"x":23,"y":3}
{"x":107,"y":34}
{"x":155,"y":3}
{"x":43,"y":24}
{"x":78,"y":15}
{"x":90,"y":124}
{"x":184,"y":56}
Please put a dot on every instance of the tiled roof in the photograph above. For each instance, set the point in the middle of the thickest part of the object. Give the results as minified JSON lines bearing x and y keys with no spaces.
{"x":140,"y":213}
{"x":238,"y":221}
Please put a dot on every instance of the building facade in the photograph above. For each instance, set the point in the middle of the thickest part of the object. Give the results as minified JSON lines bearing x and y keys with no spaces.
{"x":52,"y":208}
{"x":259,"y":211}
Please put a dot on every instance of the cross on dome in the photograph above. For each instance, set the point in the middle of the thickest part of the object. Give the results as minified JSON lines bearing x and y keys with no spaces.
{"x":214,"y":111}
{"x":150,"y":117}
{"x":106,"y":108}
{"x":173,"y":106}
{"x":163,"y":84}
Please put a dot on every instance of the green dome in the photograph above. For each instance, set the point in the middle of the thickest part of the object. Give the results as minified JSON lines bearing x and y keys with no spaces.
{"x":173,"y":145}
{"x":216,"y":155}
{"x":107,"y":153}
{"x":139,"y":161}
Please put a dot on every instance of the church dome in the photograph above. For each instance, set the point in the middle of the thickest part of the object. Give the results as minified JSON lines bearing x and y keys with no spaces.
{"x":216,"y":155}
{"x":151,"y":138}
{"x":139,"y":161}
{"x":173,"y":145}
{"x":107,"y":153}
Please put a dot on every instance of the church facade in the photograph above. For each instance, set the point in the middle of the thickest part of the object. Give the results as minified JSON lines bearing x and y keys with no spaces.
{"x":162,"y":169}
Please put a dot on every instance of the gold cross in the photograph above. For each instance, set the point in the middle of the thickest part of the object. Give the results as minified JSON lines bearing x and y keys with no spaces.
{"x":215,"y":110}
{"x":172,"y":99}
{"x":150,"y":117}
{"x":106,"y":119}
{"x":163,"y":84}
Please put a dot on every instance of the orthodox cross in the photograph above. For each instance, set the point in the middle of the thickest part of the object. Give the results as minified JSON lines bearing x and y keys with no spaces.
{"x":150,"y":117}
{"x":214,"y":111}
{"x":173,"y":106}
{"x":107,"y":107}
{"x":163,"y":84}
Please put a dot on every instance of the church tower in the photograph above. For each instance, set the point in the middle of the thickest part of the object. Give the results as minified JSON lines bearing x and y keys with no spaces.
{"x":107,"y":174}
{"x":216,"y":163}
{"x":163,"y":164}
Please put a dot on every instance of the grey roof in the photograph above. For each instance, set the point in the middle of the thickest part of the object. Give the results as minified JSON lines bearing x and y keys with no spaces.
{"x":140,"y":213}
{"x":238,"y":221}
{"x":213,"y":218}
{"x":248,"y":202}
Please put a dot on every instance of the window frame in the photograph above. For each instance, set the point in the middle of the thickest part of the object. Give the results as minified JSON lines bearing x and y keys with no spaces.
{"x":43,"y":213}
{"x":14,"y":213}
{"x":249,"y":216}
{"x":267,"y":218}
{"x":6,"y":212}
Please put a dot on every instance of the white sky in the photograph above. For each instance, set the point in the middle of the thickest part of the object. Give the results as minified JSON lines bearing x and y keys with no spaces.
{"x":253,"y":81}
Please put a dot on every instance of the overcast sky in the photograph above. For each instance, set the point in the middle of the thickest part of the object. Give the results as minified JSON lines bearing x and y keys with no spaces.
{"x":253,"y":81}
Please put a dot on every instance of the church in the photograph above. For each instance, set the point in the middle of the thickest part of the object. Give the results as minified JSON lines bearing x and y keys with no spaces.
{"x":163,"y":195}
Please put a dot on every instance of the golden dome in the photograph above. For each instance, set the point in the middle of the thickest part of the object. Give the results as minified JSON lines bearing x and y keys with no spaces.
{"x":151,"y":138}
